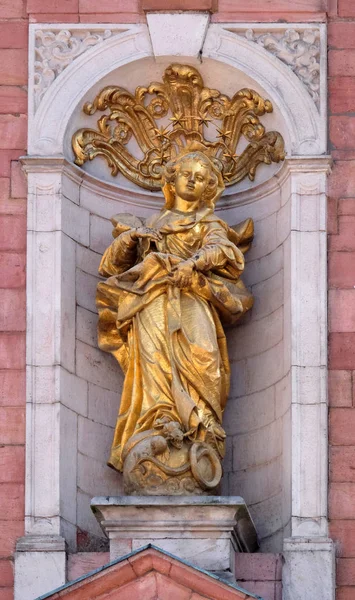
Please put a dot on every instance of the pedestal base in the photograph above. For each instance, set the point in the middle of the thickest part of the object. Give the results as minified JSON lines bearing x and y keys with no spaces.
{"x":40,"y":565}
{"x":309,"y":569}
{"x":205,"y":530}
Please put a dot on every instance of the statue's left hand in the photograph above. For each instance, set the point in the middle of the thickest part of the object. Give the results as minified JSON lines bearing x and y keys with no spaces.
{"x":182,"y":274}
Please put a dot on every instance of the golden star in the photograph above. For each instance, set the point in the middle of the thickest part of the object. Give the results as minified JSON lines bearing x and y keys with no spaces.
{"x":223,"y":134}
{"x":162,"y":133}
{"x":231,"y":156}
{"x":177,"y":120}
{"x":203,"y":120}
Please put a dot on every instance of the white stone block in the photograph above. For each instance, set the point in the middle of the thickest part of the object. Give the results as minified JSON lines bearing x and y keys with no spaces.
{"x":98,"y":367}
{"x":268,"y":296}
{"x":257,"y":447}
{"x":238,"y":380}
{"x":287,"y":267}
{"x":309,"y":201}
{"x":86,"y":519}
{"x":71,"y":182}
{"x":120,"y":548}
{"x":104,"y":202}
{"x":94,"y":439}
{"x":256,"y":336}
{"x":288,"y":326}
{"x":309,"y":212}
{"x":44,"y":212}
{"x":42,"y":469}
{"x":308,"y":309}
{"x":75,"y":222}
{"x":283,"y":396}
{"x":252,"y":204}
{"x":67,"y":304}
{"x":283,"y":223}
{"x":42,"y":385}
{"x":73,"y":392}
{"x":68,"y":463}
{"x":263,"y":268}
{"x":309,"y":464}
{"x":86,"y":290}
{"x":249,"y":413}
{"x":43,"y":298}
{"x":38,"y":573}
{"x":265,"y":369}
{"x":44,"y":201}
{"x":267,"y":516}
{"x":177,"y":34}
{"x":228,"y":457}
{"x":100,"y":234}
{"x":103,"y":405}
{"x":309,"y":384}
{"x":51,"y":259}
{"x":309,"y":569}
{"x":265,"y":238}
{"x":256,"y":485}
{"x":87,"y":260}
{"x":95,"y":477}
{"x":69,"y":532}
{"x":273,"y":543}
{"x":86,"y":326}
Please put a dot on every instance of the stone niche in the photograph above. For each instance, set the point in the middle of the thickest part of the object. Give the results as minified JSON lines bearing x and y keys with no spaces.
{"x":276,"y":415}
{"x":257,"y":419}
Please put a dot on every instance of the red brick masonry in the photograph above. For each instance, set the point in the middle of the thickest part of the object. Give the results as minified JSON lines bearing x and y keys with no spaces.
{"x":14,"y":18}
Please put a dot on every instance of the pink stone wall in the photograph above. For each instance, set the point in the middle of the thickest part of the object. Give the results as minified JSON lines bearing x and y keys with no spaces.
{"x":341,"y":263}
{"x":13,"y":123}
{"x":262,"y":577}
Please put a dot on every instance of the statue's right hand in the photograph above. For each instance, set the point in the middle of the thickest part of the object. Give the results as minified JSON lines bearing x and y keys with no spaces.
{"x":145,"y":232}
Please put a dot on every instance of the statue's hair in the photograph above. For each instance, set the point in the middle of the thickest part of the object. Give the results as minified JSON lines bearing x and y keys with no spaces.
{"x":215,"y":185}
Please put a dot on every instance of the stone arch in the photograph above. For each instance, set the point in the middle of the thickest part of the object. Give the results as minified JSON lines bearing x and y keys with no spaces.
{"x":48,"y":124}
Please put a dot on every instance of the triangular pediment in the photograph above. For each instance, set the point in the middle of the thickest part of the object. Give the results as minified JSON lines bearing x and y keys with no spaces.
{"x":149,"y":574}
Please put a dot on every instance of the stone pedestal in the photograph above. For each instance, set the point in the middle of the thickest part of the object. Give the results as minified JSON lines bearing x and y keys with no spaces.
{"x":204,"y":530}
{"x":40,"y":565}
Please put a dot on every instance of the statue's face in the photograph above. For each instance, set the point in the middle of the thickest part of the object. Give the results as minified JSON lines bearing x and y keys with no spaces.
{"x":191,"y":179}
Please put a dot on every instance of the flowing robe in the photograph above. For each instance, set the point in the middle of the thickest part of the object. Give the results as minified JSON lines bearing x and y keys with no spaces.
{"x":170,"y":342}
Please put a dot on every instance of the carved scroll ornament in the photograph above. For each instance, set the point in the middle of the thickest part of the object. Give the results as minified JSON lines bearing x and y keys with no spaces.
{"x":186,"y":110}
{"x":300,"y":50}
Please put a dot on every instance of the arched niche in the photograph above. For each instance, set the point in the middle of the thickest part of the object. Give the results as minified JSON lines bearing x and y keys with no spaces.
{"x":276,"y":415}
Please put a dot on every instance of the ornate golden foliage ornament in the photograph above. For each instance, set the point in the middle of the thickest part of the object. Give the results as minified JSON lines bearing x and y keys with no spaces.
{"x":185,"y":109}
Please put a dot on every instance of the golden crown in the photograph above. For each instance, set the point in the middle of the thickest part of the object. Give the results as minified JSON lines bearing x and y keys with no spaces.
{"x":192,"y":107}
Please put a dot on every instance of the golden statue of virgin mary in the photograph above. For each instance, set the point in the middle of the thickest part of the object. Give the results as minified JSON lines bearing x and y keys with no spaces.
{"x":171,"y":284}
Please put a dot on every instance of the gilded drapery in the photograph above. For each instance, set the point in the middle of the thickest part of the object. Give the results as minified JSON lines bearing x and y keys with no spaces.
{"x":169,"y":341}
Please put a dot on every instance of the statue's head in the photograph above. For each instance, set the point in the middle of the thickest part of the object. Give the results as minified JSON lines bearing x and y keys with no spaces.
{"x":192,"y":176}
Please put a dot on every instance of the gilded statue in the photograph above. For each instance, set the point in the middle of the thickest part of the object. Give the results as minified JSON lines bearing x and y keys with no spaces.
{"x":173,"y":282}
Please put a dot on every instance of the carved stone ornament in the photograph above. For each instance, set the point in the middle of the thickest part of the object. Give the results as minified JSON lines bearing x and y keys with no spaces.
{"x":300,"y":50}
{"x":186,"y":110}
{"x":54,"y":51}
